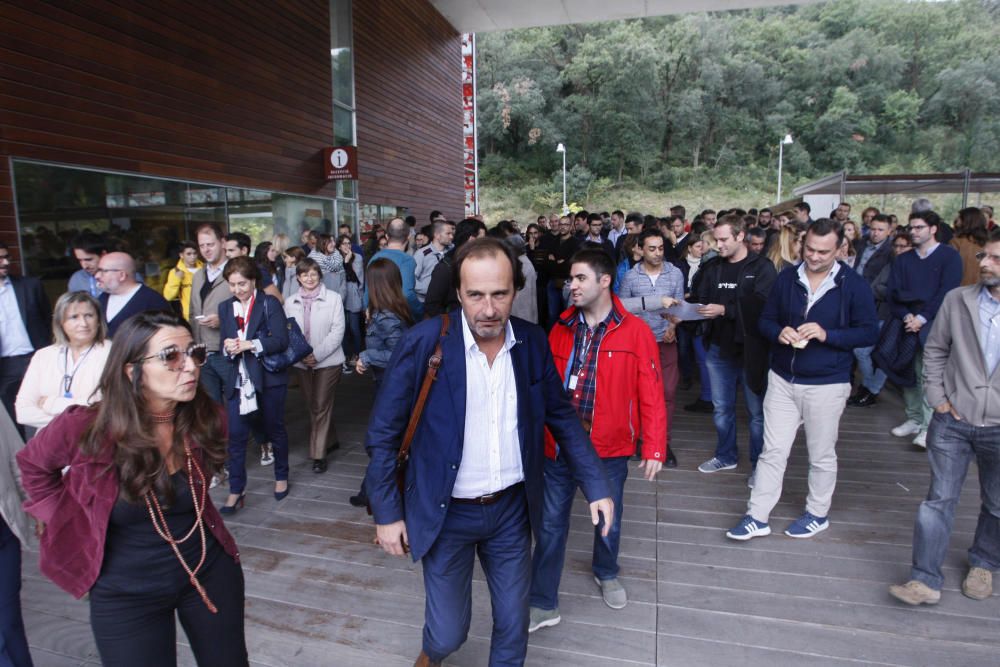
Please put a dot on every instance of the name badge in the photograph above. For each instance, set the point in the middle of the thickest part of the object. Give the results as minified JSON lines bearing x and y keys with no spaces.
{"x":573,"y":379}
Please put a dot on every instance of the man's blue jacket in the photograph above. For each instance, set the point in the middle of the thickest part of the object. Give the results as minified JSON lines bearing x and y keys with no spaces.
{"x":436,"y":451}
{"x":846,"y":312}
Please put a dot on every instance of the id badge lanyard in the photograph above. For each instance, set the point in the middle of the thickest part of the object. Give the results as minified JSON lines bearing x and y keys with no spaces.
{"x":69,"y":375}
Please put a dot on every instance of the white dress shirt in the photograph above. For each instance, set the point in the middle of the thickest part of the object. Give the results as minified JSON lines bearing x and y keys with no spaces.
{"x":491,"y":456}
{"x":14,"y":340}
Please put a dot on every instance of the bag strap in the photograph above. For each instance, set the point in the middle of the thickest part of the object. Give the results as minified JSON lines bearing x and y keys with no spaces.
{"x":433,"y":364}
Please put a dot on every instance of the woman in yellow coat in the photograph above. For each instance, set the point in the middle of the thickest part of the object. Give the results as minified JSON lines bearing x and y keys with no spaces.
{"x":178,"y":286}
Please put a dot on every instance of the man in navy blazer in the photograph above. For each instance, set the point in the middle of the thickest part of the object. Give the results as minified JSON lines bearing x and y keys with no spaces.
{"x":475,"y":477}
{"x":25,"y":326}
{"x":122,"y":295}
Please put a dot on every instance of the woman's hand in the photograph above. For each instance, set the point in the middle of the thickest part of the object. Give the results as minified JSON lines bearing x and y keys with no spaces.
{"x":359,"y":367}
{"x":234,"y":346}
{"x":309,"y":360}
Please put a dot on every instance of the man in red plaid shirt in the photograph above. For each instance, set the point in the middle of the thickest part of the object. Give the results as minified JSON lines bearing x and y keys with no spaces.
{"x":609,"y":363}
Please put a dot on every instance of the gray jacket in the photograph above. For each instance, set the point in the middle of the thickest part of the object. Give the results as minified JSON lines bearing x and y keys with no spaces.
{"x":11,"y":492}
{"x":954,"y":368}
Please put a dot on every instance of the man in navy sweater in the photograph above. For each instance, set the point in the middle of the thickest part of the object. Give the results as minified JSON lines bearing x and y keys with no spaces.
{"x":123,"y":296}
{"x":918,"y":282}
{"x":817,"y":313}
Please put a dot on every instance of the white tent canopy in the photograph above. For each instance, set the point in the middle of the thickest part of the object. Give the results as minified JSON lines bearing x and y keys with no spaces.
{"x":494,"y":15}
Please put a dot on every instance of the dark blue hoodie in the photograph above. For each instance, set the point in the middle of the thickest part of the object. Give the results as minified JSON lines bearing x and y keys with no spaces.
{"x":846,"y":313}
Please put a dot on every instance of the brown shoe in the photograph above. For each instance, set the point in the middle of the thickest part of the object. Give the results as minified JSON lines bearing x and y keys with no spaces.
{"x":978,"y":584}
{"x":424,"y":661}
{"x":915,"y":592}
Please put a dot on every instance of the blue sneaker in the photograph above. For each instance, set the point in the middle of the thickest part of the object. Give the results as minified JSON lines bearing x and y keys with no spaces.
{"x":807,"y":525}
{"x":715,"y":465}
{"x":749,"y":528}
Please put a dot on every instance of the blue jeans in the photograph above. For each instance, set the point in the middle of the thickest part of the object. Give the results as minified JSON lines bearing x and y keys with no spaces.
{"x":13,"y":643}
{"x":704,"y":377}
{"x":500,"y":534}
{"x":872,"y":379}
{"x":555,"y":303}
{"x":550,"y":552}
{"x":951,"y":446}
{"x":685,"y":353}
{"x":726,"y":374}
{"x":354,"y":341}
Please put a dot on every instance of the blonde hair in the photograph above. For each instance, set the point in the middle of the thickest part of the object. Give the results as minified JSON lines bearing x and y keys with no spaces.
{"x":59,"y":316}
{"x":709,"y":240}
{"x":280,"y":243}
{"x":784,"y":251}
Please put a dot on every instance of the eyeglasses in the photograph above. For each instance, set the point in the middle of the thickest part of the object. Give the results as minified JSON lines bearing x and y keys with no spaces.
{"x":980,"y":256}
{"x":110,"y":271}
{"x":174,"y":358}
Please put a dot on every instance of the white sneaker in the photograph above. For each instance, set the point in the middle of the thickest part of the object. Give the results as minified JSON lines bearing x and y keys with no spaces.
{"x":907,"y":428}
{"x":921,"y":439}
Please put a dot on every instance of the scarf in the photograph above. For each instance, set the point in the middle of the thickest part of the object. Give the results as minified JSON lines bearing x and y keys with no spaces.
{"x":307,"y":303}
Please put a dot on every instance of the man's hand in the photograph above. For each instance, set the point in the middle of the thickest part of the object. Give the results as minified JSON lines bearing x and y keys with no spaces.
{"x":606,"y":507}
{"x":670,"y":335}
{"x":810,"y":330}
{"x":210,"y":321}
{"x":650,"y":468}
{"x":669,"y":302}
{"x":946,"y":408}
{"x":712,"y":310}
{"x":912,"y":323}
{"x":392,"y":537}
{"x":789,"y":336}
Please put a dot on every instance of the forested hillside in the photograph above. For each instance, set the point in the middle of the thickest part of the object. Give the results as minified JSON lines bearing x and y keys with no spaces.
{"x":658,"y":104}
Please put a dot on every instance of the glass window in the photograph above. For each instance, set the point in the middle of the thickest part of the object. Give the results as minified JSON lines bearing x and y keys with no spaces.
{"x":343,"y":127}
{"x":144,"y":216}
{"x":341,"y":52}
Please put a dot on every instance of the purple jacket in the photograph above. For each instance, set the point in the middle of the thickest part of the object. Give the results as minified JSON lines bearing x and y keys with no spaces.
{"x":76,"y":507}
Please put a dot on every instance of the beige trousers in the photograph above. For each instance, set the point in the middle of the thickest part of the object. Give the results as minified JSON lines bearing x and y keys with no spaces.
{"x":786,"y":406}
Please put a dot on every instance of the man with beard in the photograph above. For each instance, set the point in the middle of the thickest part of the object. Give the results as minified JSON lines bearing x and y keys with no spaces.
{"x":474,"y":483}
{"x":961,"y":383}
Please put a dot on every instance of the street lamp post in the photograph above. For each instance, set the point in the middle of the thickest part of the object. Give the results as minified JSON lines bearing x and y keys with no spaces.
{"x":781,"y":155}
{"x":562,"y":149}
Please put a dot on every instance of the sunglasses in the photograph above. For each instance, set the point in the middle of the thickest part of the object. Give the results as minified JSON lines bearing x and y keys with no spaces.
{"x":174,"y":358}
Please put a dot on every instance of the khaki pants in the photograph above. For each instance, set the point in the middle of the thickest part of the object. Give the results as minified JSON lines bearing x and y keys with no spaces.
{"x":318,"y":386}
{"x":787,"y":405}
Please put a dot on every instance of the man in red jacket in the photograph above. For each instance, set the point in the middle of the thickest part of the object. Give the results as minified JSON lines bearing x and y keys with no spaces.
{"x":609,"y":364}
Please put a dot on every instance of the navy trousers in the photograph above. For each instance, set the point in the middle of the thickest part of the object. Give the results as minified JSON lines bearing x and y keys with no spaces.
{"x":500,"y":534}
{"x":271,"y":409}
{"x":13,"y":643}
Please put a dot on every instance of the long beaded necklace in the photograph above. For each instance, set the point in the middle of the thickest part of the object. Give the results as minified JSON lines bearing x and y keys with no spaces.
{"x":163,"y":529}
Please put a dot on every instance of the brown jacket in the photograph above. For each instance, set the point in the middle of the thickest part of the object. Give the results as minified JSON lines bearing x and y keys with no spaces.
{"x":210,"y":306}
{"x":967,"y":248}
{"x":954,"y":368}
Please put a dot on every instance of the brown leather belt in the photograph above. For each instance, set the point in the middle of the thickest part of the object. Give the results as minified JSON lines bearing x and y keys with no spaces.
{"x":490,"y":498}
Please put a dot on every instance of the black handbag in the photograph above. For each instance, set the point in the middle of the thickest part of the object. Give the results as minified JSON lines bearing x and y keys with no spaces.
{"x":297,"y":350}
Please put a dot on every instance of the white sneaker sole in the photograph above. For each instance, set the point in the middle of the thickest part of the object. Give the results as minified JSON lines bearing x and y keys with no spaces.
{"x":548,"y":623}
{"x":761,"y":532}
{"x":905,"y":432}
{"x":808,"y":535}
{"x":711,"y":470}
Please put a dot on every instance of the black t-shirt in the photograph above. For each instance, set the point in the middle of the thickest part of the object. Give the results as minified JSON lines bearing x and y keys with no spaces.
{"x":724,"y":292}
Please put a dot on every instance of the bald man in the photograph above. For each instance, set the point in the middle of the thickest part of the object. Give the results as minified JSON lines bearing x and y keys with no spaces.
{"x":122,"y":297}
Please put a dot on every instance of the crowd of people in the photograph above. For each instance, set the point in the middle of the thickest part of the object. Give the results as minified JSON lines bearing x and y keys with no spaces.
{"x":143,"y":400}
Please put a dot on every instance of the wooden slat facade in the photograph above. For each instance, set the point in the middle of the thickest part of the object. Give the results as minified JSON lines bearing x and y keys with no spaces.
{"x":409,"y":108}
{"x":234,"y":93}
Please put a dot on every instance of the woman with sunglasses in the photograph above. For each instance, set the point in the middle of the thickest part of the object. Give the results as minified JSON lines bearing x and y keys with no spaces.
{"x":68,"y":372}
{"x":252,"y":324}
{"x":130,"y":521}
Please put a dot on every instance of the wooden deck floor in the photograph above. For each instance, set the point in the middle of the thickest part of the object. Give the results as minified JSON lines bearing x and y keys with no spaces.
{"x":318,"y":592}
